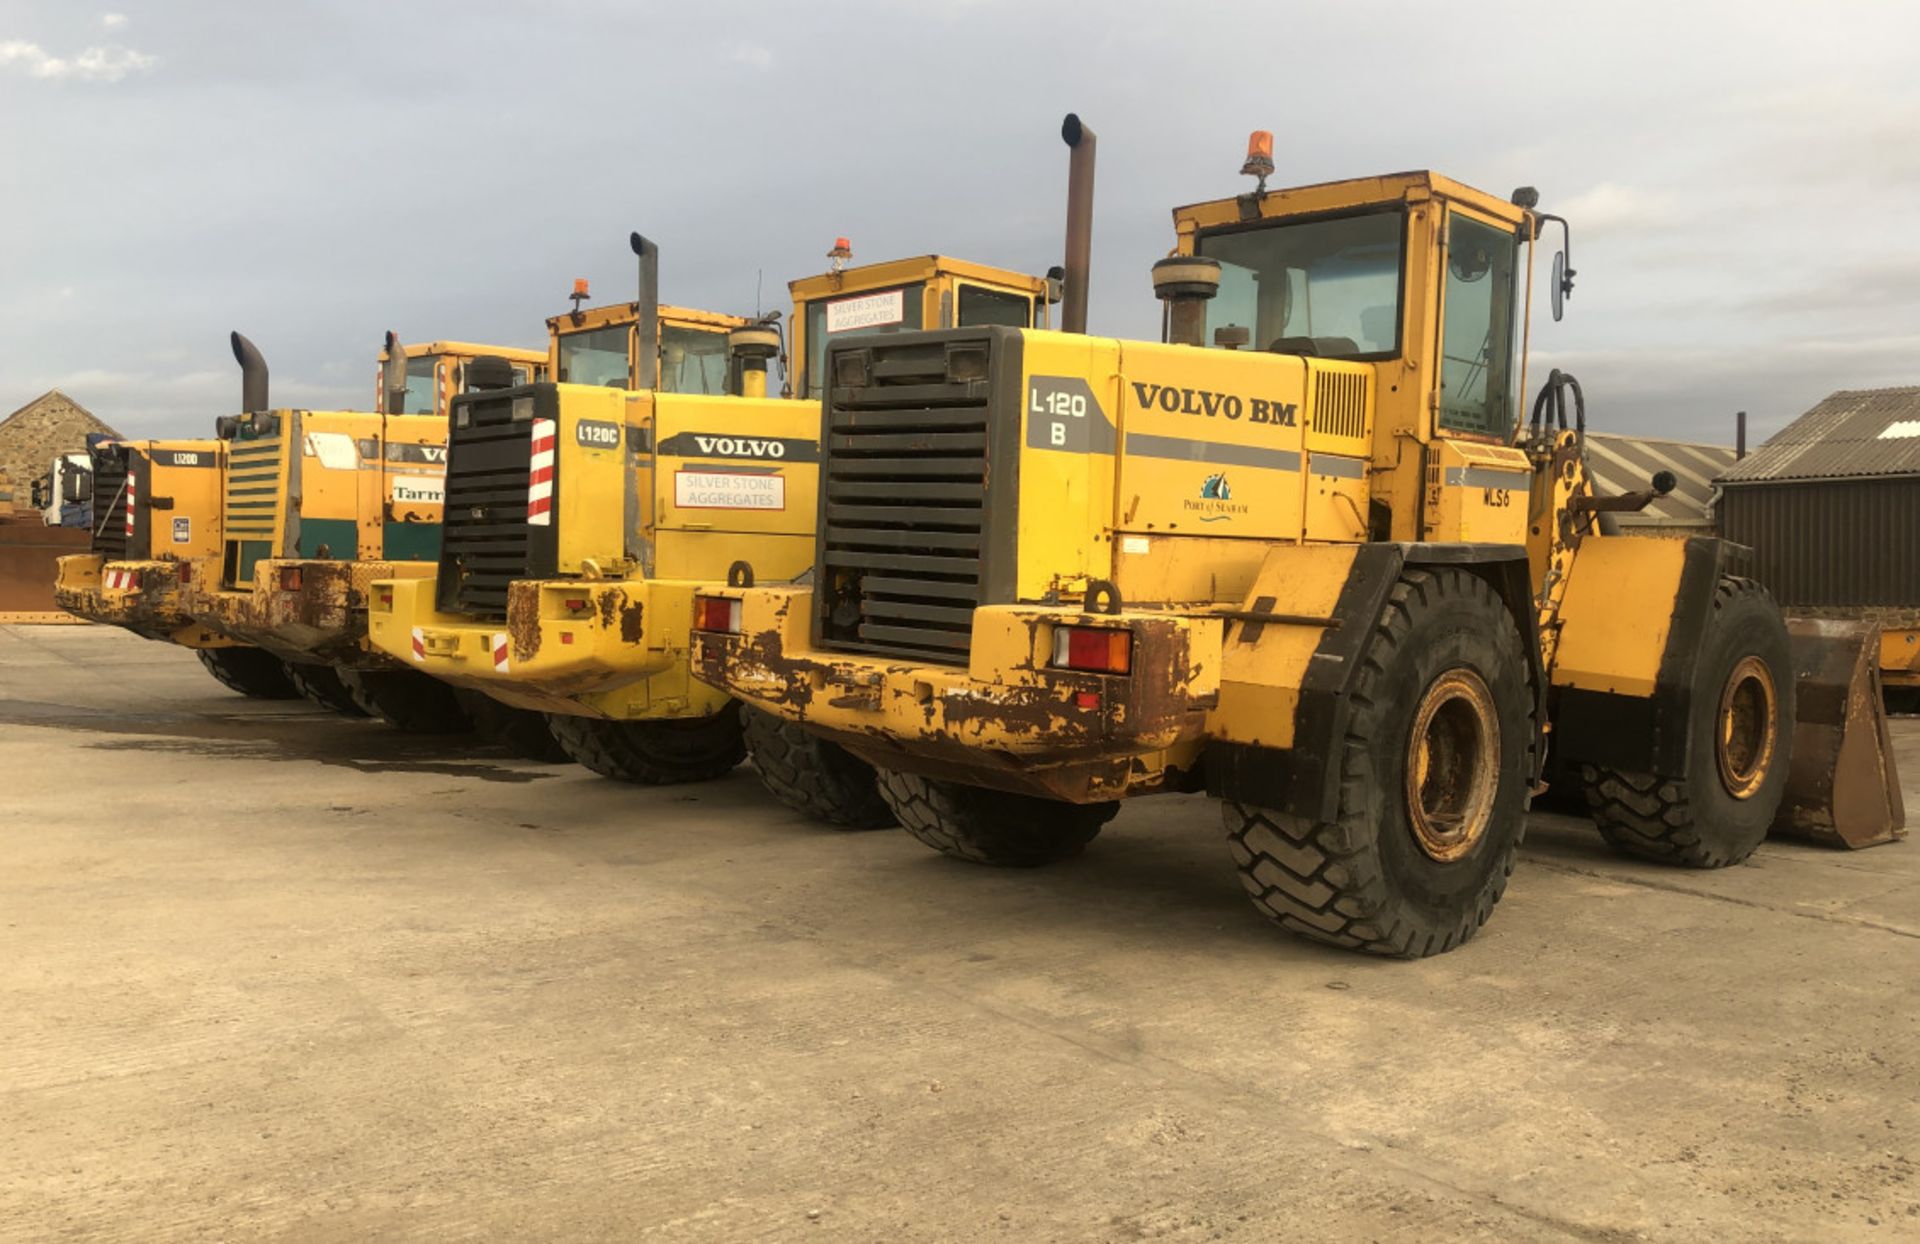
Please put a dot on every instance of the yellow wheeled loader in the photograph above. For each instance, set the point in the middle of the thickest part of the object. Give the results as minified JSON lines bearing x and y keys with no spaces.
{"x":1302,"y":555}
{"x":580,"y":518}
{"x":155,"y":527}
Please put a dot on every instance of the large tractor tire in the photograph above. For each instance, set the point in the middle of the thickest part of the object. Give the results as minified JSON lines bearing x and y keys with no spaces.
{"x":654,"y":753}
{"x":253,"y":672}
{"x":321,"y":684}
{"x":407,"y":700}
{"x":522,"y":731}
{"x":1434,"y":777}
{"x":994,"y":827}
{"x":810,"y":775}
{"x":1739,"y":745}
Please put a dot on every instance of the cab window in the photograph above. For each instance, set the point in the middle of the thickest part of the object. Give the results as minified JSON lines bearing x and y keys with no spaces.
{"x":1323,"y":288}
{"x":692,"y":361}
{"x":858,"y":315}
{"x":420,"y":387}
{"x":1476,"y":341}
{"x":595,"y":356}
{"x":979,"y":305}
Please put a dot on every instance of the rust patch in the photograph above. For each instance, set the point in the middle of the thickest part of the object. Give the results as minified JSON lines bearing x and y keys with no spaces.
{"x":609,"y":605}
{"x":632,"y":628}
{"x":523,"y":620}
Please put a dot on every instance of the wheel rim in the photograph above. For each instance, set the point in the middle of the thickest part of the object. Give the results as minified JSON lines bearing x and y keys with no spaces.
{"x":1747,"y":727}
{"x":1453,"y":765}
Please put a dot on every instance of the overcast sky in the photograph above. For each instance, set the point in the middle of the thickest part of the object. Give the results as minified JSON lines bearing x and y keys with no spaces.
{"x":1743,"y":179}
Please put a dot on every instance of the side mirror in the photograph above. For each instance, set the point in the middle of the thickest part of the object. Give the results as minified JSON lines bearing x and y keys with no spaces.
{"x":38,"y":493}
{"x":1560,"y":284}
{"x":76,"y":487}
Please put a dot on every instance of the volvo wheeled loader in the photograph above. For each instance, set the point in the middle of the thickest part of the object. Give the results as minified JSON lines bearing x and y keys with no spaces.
{"x":316,"y":505}
{"x":154,"y":527}
{"x":1302,"y":555}
{"x":580,"y":520}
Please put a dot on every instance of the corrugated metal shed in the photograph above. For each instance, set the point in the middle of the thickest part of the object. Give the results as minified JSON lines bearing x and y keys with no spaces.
{"x":1854,"y":433}
{"x":1627,"y":464}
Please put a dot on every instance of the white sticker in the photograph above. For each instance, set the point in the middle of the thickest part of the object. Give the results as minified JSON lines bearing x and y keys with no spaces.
{"x":183,"y":531}
{"x":336,"y":450}
{"x":420,"y":490}
{"x":718,"y":490}
{"x":867,"y":311}
{"x":1134,"y":544}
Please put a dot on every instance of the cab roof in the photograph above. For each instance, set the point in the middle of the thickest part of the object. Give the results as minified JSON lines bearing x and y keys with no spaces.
{"x":1356,"y":192}
{"x":903,"y":271}
{"x":629,"y":312}
{"x":467,"y":350}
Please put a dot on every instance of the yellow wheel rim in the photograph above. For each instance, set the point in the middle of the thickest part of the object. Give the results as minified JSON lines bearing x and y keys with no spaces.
{"x":1747,"y":728}
{"x":1453,"y":765}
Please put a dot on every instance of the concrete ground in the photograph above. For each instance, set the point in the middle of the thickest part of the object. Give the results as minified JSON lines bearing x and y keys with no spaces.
{"x":270,"y":973}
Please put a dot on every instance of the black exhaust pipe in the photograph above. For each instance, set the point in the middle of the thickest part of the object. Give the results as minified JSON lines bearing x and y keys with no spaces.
{"x":393,"y":377}
{"x":1073,"y":306}
{"x":648,"y":374}
{"x":253,"y":375}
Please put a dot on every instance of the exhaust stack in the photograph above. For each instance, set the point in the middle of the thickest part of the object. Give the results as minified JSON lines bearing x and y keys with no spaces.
{"x":393,"y":377}
{"x":647,"y":374}
{"x":1073,"y":307}
{"x":253,"y":375}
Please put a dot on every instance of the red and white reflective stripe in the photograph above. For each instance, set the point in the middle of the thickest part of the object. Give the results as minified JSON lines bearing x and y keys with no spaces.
{"x":419,"y":644}
{"x":129,"y":502}
{"x":500,"y":651}
{"x":540,"y":475}
{"x":117,"y":580}
{"x":440,"y":389}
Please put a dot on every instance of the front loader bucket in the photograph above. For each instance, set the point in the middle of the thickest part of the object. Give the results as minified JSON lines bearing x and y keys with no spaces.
{"x":1842,"y":789}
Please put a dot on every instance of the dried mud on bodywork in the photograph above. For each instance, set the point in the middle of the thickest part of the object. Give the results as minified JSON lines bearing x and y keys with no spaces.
{"x":523,"y":620}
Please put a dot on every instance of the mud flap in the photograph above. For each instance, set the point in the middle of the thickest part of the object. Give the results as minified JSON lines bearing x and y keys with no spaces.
{"x":1842,"y":788}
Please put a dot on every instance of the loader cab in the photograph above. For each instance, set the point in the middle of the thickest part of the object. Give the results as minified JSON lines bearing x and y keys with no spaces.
{"x":1421,"y":279}
{"x":931,"y":291}
{"x":601,"y":346}
{"x":437,"y":370}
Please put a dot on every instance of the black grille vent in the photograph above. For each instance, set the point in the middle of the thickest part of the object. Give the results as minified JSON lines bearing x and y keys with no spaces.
{"x":486,"y":542}
{"x":905,"y":524}
{"x":110,"y":503}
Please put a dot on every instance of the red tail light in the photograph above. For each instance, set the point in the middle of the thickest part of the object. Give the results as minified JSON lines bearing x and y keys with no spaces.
{"x":577,"y":605}
{"x":1099,"y":649}
{"x":290,"y":577}
{"x":716,"y":613}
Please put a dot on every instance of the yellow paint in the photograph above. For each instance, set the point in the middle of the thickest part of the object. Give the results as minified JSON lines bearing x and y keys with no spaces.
{"x":1616,"y":613}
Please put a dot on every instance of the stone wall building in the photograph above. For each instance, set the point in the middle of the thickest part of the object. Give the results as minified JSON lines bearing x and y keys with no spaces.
{"x":32,"y":436}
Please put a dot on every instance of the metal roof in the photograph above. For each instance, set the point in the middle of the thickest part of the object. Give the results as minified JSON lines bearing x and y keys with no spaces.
{"x":1627,"y":464}
{"x":1852,"y":433}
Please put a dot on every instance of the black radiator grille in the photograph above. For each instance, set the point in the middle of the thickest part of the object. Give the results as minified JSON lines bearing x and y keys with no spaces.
{"x":110,"y":503}
{"x":486,"y":542}
{"x":904,"y":481}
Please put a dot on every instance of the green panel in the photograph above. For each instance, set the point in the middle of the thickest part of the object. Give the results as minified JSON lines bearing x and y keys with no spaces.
{"x":251,"y":551}
{"x":340,"y":535}
{"x":410,"y":542}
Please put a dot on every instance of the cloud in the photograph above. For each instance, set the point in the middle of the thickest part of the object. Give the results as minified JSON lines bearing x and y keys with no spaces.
{"x":95,"y":64}
{"x":753,"y":56}
{"x":112,"y":21}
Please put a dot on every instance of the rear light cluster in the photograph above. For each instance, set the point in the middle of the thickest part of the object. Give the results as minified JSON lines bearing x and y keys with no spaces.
{"x":1096,"y":649}
{"x":290,"y":578}
{"x":716,"y":613}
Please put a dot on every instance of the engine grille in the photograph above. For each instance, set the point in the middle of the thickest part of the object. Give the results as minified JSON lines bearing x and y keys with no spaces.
{"x":486,"y":542}
{"x":904,"y":523}
{"x":109,"y":535}
{"x":253,"y":488}
{"x":1340,"y":404}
